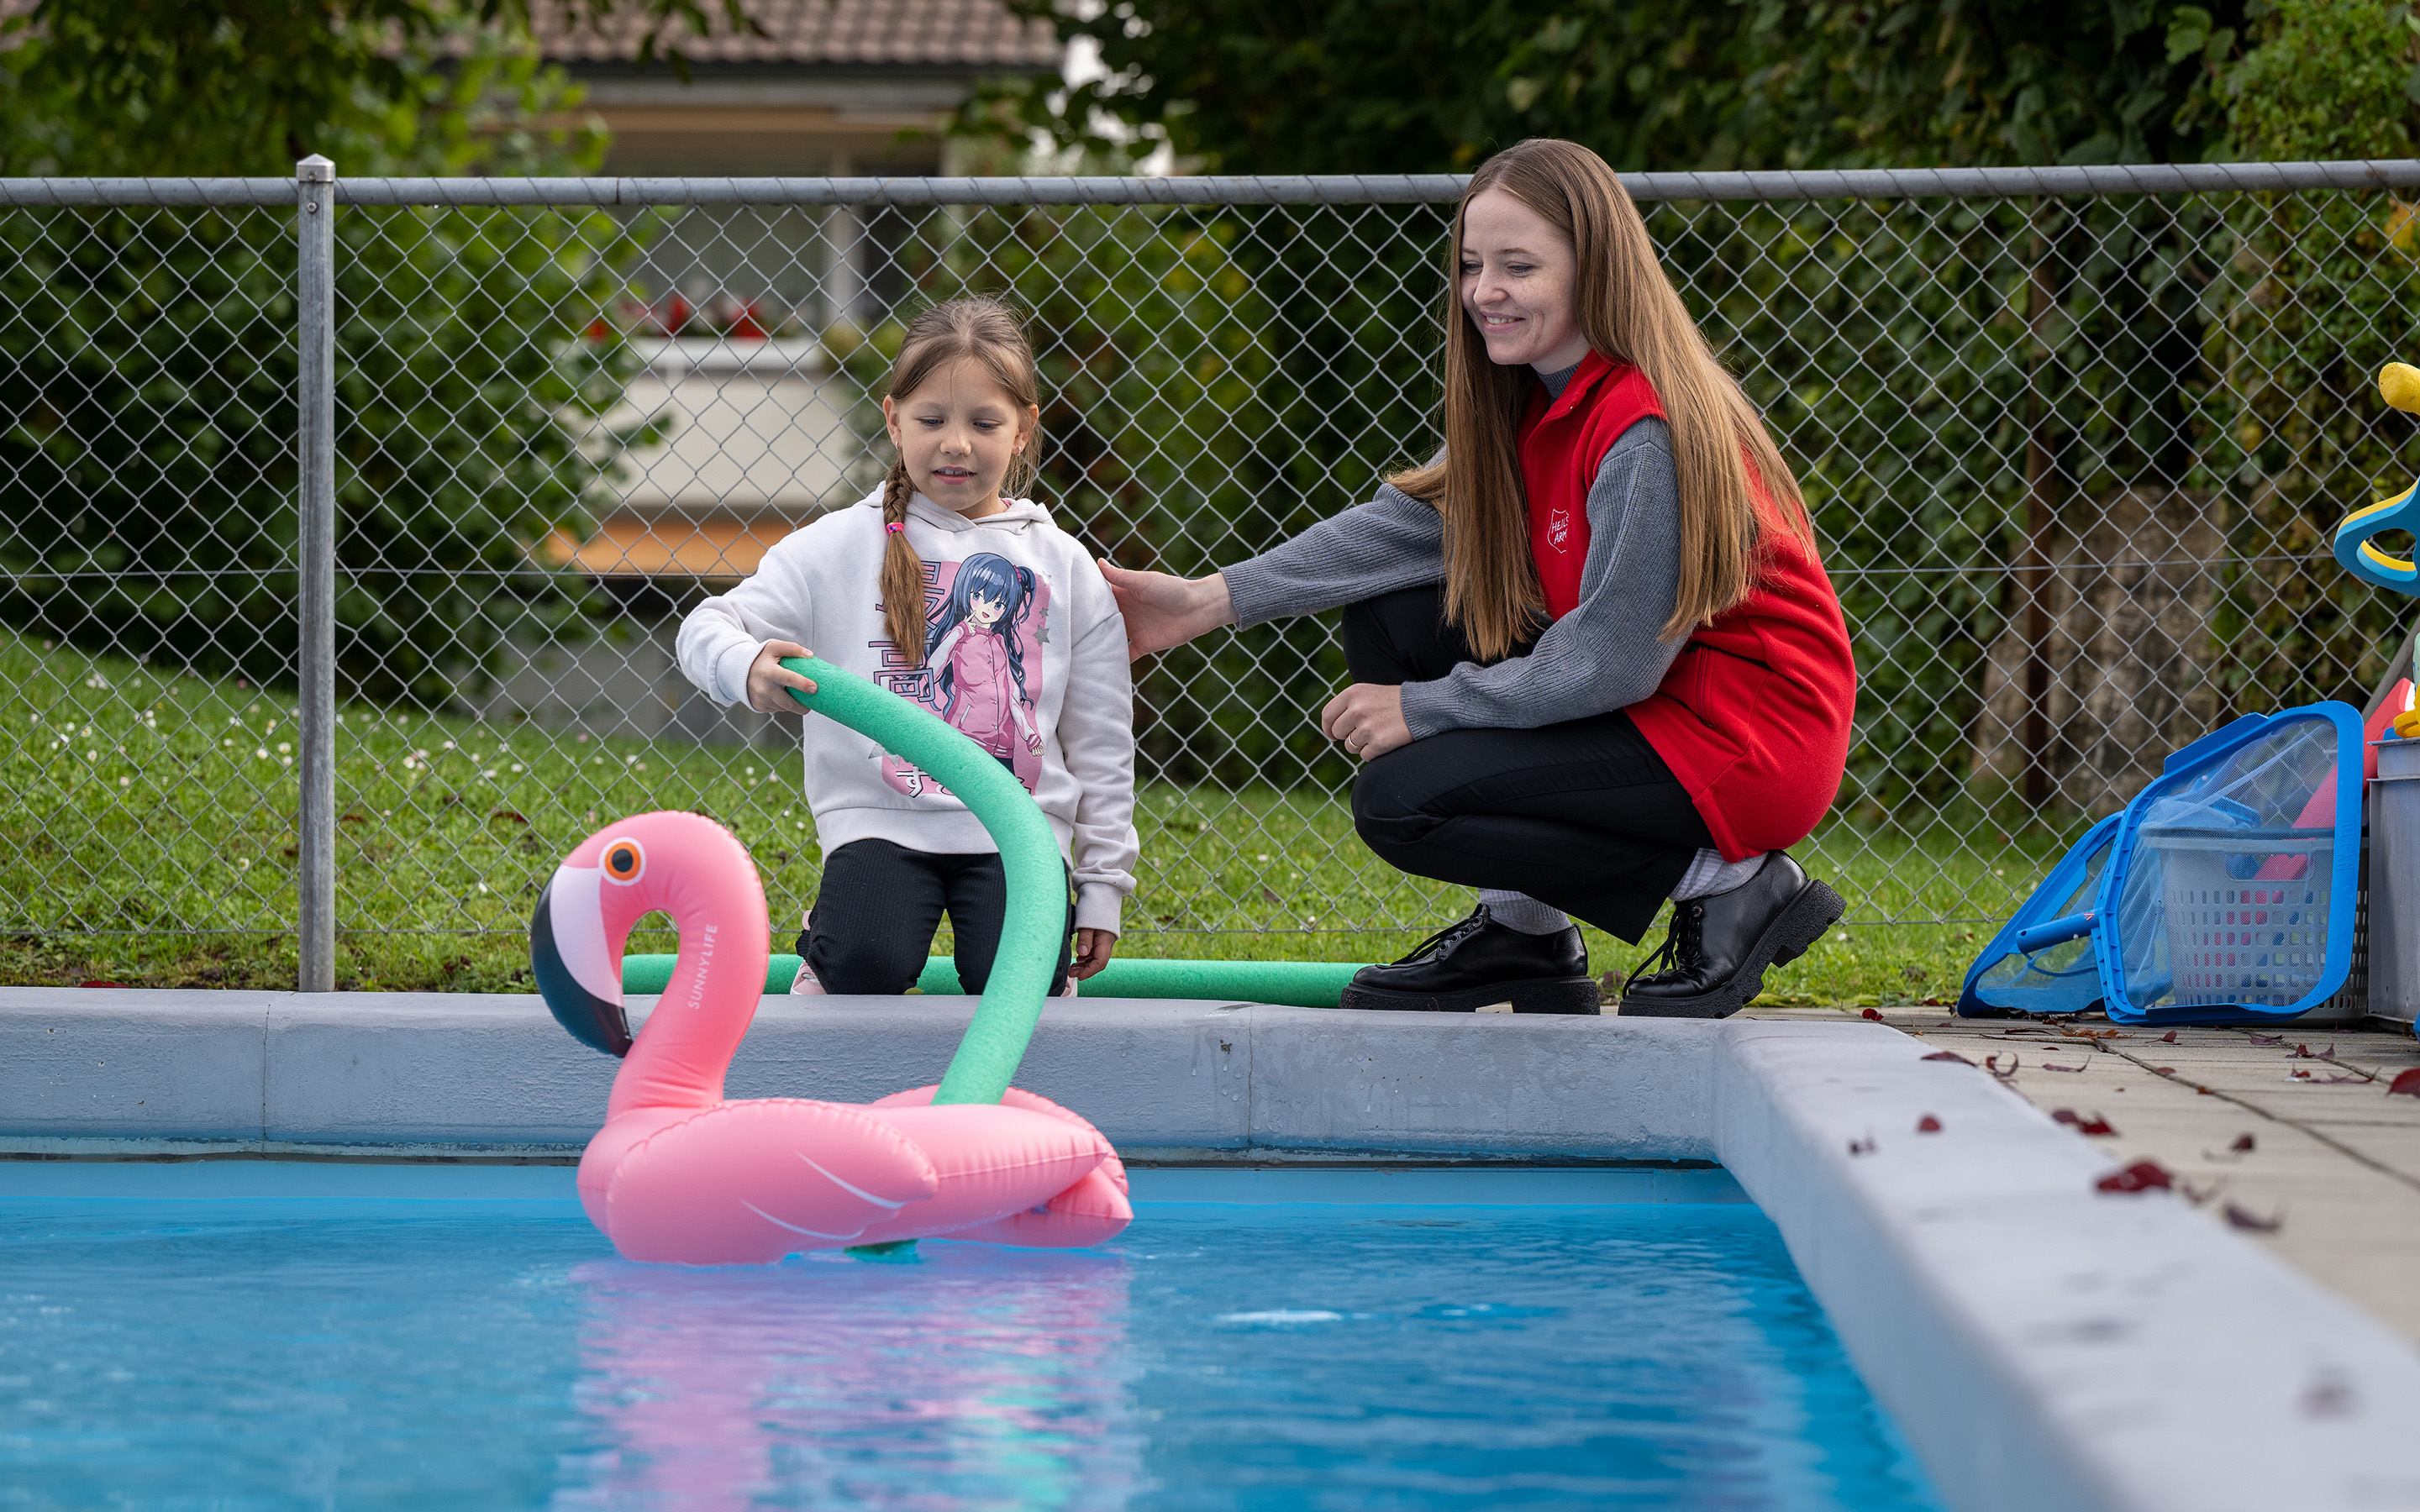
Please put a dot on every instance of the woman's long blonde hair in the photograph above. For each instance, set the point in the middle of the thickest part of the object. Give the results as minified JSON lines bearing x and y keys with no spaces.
{"x":991,"y":334}
{"x":1630,"y":312}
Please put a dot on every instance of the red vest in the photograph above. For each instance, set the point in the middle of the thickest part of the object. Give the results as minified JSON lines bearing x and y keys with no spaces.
{"x":1754,"y":715}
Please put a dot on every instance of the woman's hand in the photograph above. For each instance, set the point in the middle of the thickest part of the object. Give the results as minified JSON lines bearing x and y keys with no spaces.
{"x":1368,"y":718}
{"x":768,"y":680}
{"x":1094,"y":947}
{"x":1162,"y":610}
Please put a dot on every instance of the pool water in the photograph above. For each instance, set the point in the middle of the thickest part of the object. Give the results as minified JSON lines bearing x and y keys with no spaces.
{"x":210,"y":1355}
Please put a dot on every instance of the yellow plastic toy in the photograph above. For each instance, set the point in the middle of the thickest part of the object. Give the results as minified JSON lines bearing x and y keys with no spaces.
{"x":2399,"y":382}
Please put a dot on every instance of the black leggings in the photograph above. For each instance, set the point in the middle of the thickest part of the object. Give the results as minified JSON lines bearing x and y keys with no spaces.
{"x":871,"y":929}
{"x":1583,"y":815}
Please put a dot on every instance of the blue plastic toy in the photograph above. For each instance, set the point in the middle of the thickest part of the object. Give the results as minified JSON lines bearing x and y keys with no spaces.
{"x":2400,"y":383}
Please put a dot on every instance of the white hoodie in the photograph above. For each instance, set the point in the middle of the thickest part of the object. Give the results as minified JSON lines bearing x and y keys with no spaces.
{"x":1028,"y":658}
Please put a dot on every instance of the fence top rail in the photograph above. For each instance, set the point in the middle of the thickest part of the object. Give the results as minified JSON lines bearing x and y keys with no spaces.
{"x":1221,"y":189}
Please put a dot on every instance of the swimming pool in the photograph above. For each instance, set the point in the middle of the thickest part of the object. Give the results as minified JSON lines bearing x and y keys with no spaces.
{"x":264,"y":1352}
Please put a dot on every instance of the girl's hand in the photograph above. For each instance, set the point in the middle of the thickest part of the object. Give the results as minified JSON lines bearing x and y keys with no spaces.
{"x":1094,"y":947}
{"x":1368,"y":718}
{"x":1162,"y":610}
{"x":768,"y":680}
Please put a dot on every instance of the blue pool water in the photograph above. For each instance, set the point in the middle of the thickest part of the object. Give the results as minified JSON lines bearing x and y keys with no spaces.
{"x":351,"y":1354}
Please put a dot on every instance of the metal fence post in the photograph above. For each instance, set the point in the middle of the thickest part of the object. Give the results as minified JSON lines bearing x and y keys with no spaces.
{"x":315,"y":548}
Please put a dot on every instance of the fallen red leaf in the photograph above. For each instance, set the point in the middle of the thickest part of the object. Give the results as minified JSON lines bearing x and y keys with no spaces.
{"x":1927,"y":1124}
{"x":100,"y":985}
{"x":2169,"y":1038}
{"x":2240,"y":1218}
{"x":2048,"y":1066}
{"x":1949,"y":1054}
{"x":2143,"y":1176}
{"x":2406,"y":1082}
{"x":2329,"y":1397}
{"x":1871,"y":1013}
{"x":2267,"y":1039}
{"x":2095,"y":1125}
{"x":2163,"y":1070}
{"x":2243,"y":1143}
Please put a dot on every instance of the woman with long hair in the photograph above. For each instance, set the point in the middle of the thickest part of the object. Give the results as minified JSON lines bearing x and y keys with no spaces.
{"x":1596,"y":662}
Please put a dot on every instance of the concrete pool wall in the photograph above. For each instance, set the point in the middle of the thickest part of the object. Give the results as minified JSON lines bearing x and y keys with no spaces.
{"x":2044,"y":1346}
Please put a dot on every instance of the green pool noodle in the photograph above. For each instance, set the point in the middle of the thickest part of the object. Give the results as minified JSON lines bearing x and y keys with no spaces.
{"x":1292,"y":983}
{"x":1289,"y":984}
{"x":1030,"y":937}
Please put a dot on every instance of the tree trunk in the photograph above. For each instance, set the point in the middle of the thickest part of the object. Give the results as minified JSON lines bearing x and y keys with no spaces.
{"x":2107,"y":668}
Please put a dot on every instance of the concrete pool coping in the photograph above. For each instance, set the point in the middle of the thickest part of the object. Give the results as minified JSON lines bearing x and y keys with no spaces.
{"x":2042,"y":1345}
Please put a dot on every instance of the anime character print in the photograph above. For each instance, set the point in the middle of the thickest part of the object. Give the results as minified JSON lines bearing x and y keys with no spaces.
{"x":982,"y":667}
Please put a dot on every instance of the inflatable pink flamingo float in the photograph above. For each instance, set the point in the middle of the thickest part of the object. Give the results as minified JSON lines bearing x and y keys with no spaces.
{"x":679,"y":1173}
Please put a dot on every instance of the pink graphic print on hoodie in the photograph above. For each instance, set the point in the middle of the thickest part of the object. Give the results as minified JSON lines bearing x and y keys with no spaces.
{"x":983,"y":666}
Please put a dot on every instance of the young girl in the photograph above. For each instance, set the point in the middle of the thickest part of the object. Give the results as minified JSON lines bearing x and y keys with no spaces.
{"x":1596,"y":662}
{"x":972,"y":603}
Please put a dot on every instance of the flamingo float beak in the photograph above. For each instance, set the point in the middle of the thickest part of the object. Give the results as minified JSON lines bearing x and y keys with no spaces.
{"x":576,"y":966}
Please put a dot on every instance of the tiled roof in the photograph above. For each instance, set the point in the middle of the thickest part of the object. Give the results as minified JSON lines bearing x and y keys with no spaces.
{"x":934,"y":33}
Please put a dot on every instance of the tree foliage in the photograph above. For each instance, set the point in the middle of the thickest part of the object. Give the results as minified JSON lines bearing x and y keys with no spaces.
{"x":247,"y":87}
{"x":1943,"y":375}
{"x":1434,"y":86}
{"x":2296,"y":326}
{"x":147,"y":356}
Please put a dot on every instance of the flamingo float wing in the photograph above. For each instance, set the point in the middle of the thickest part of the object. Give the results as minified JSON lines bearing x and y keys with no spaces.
{"x":749,"y":1182}
{"x":991,"y":1162}
{"x":1093,"y":1210}
{"x":1095,"y":1207}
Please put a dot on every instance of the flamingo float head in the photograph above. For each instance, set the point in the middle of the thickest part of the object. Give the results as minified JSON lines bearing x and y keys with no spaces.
{"x":682,"y":863}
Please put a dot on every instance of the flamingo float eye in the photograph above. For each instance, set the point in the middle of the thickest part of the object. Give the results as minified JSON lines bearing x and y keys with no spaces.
{"x":626,"y":860}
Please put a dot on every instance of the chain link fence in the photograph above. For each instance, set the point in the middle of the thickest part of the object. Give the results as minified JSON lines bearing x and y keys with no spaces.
{"x":2075,"y":438}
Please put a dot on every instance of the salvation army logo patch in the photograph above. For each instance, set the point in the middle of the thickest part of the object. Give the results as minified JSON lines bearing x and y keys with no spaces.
{"x":1558,"y":527}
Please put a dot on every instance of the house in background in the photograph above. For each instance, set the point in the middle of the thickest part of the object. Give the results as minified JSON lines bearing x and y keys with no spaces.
{"x":761,"y":436}
{"x":836,"y":88}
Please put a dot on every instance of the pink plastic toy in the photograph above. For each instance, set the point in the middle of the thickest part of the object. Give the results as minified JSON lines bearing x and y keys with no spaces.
{"x":681,"y":1174}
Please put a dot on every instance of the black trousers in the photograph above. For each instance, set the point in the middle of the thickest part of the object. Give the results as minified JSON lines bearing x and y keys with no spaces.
{"x":1581,"y":815}
{"x":871,"y":929}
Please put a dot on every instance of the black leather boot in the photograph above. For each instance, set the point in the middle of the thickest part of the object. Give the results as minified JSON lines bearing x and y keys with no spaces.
{"x":1720,"y":945}
{"x":1478,"y":964}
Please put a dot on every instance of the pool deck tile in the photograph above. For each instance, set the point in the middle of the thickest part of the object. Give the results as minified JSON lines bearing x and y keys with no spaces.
{"x":2333,"y":1164}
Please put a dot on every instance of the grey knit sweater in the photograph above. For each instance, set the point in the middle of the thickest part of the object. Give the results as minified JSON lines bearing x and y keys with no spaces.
{"x":1606,"y":654}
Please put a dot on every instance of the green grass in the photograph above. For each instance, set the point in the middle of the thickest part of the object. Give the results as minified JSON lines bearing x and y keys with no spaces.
{"x":149,"y":839}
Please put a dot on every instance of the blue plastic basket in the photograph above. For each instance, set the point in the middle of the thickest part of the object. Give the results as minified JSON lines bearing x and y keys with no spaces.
{"x":2224,"y":892}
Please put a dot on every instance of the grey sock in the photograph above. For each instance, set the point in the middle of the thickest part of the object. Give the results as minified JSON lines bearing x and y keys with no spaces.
{"x":1519,"y":911}
{"x":1710,"y":873}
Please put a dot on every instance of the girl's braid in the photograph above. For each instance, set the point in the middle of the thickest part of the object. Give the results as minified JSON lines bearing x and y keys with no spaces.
{"x":903,"y":571}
